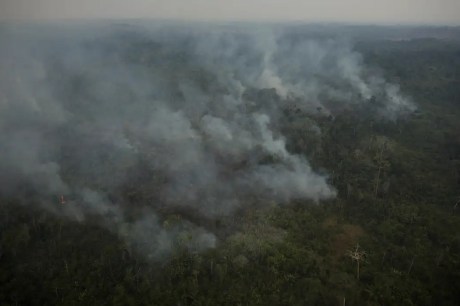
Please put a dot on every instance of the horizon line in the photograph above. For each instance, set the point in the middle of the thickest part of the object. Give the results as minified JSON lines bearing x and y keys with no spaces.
{"x":226,"y":21}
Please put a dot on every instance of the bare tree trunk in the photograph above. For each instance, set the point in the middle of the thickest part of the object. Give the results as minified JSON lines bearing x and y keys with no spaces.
{"x":66,"y":267}
{"x":455,"y":206}
{"x":411,"y":264}
{"x":376,"y":188}
{"x":357,"y":270}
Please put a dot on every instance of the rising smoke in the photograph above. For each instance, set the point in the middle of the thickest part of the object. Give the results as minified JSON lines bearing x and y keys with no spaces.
{"x":136,"y":121}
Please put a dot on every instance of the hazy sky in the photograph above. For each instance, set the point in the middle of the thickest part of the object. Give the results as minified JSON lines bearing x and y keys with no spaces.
{"x":362,"y":11}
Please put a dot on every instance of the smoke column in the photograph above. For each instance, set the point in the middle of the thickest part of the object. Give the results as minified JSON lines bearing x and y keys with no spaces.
{"x":138,"y":120}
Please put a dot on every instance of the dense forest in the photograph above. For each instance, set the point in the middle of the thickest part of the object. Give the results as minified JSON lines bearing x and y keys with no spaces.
{"x":374,"y":222}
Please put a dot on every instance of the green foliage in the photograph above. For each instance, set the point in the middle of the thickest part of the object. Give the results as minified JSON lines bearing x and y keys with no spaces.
{"x":397,"y":186}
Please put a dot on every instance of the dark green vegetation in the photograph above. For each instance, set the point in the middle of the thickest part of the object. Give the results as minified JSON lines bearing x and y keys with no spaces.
{"x":398,"y":184}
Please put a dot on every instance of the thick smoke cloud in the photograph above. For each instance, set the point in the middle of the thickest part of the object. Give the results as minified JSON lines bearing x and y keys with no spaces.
{"x":180,"y":120}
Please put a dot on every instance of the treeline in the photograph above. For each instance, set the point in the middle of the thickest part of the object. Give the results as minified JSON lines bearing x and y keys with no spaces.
{"x":391,"y":237}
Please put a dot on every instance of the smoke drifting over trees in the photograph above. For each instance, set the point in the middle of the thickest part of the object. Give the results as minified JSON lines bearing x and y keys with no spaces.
{"x":193,"y":118}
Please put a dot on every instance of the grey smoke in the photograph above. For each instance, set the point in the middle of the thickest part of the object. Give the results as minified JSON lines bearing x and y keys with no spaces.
{"x":192,"y":114}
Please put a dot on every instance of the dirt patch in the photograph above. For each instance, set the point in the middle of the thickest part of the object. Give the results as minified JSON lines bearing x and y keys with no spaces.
{"x":346,"y":237}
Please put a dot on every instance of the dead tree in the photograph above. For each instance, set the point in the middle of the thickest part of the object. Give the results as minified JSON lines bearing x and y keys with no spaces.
{"x":358,"y":256}
{"x":454,"y":209}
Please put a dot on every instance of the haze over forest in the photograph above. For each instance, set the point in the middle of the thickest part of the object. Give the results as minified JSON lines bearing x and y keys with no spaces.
{"x":189,"y":153}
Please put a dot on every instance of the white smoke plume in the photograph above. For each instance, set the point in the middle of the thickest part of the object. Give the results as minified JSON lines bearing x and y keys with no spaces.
{"x":185,"y":120}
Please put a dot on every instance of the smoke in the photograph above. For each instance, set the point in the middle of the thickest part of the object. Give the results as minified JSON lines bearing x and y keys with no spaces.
{"x":135,"y":124}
